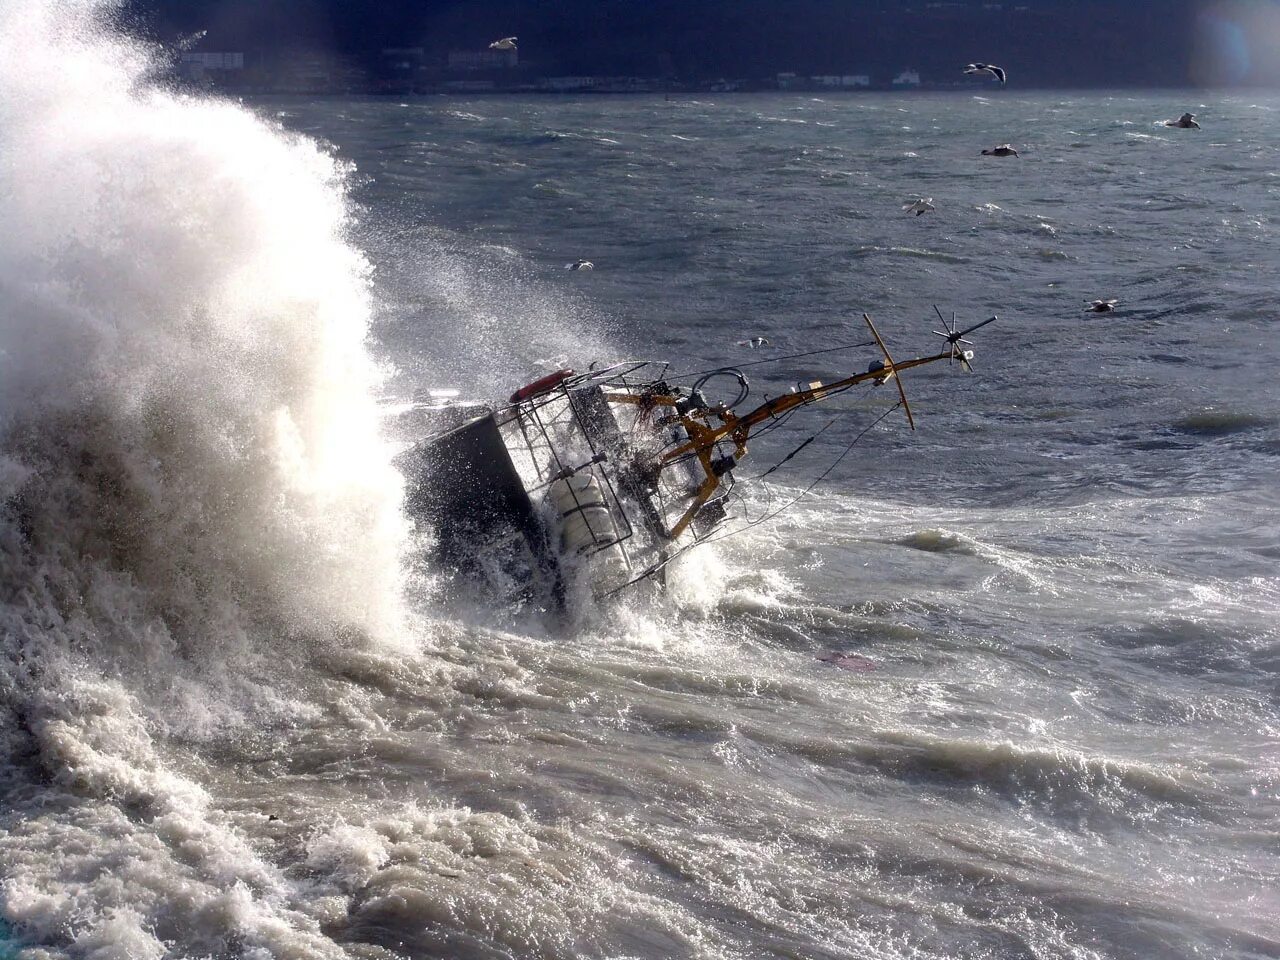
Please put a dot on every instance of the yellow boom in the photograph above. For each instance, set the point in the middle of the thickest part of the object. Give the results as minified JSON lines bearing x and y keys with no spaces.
{"x":704,"y":435}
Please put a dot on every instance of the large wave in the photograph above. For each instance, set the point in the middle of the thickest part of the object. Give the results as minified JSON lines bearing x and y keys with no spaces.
{"x":193,"y":490}
{"x":190,"y":433}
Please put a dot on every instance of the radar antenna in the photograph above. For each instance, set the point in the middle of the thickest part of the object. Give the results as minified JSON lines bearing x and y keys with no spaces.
{"x":956,"y":337}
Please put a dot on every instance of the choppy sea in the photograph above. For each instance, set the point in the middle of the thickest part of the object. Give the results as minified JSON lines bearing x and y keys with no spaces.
{"x":242,"y":718}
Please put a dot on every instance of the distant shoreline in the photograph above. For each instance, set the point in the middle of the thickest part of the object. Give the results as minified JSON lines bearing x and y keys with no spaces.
{"x":682,"y":93}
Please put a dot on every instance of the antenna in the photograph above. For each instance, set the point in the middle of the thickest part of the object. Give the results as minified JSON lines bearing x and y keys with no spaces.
{"x":956,"y":337}
{"x":890,"y":371}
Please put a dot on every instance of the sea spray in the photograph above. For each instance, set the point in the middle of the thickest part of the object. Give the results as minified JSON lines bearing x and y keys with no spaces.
{"x":194,"y":496}
{"x":187,"y":400}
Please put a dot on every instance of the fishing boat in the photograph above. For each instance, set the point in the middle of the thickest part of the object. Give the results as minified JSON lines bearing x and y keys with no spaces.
{"x":589,"y":484}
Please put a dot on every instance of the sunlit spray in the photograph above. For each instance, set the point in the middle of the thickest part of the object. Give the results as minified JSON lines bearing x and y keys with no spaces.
{"x":194,"y":497}
{"x":190,"y":430}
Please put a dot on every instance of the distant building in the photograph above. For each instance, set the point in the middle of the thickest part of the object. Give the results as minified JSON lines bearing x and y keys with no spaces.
{"x":847,"y":81}
{"x":403,"y":59}
{"x":626,"y":85}
{"x":788,"y":81}
{"x":400,"y":69}
{"x":209,"y":68}
{"x":483,"y":59}
{"x":316,"y":73}
{"x":568,"y":84}
{"x":215,"y":61}
{"x":596,"y":85}
{"x":907,"y":79}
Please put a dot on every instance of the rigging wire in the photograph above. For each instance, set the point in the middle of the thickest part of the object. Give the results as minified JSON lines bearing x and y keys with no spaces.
{"x":790,"y":356}
{"x":804,"y":444}
{"x":817,"y":480}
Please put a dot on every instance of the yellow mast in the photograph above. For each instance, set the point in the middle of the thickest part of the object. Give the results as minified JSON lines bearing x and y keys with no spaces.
{"x":703,"y":436}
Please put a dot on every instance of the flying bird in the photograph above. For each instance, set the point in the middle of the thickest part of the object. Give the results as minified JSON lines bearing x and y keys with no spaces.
{"x":979,"y":68}
{"x":1004,"y":150}
{"x":1101,"y":306}
{"x":1187,"y":122}
{"x":754,"y":342}
{"x":923,"y":205}
{"x":506,"y":43}
{"x":580,"y":265}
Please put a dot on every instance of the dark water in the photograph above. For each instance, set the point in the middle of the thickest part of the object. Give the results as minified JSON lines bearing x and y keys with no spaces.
{"x":1056,"y":736}
{"x":1065,"y":579}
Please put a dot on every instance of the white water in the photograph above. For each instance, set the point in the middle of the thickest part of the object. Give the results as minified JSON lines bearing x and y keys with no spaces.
{"x":218,"y":738}
{"x":195,"y":495}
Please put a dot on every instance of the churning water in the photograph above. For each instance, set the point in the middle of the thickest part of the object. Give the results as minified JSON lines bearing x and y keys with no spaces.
{"x":242,"y":719}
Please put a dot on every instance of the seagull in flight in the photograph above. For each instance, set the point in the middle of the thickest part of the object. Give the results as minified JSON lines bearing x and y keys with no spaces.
{"x":978,"y":68}
{"x":506,"y":43}
{"x":580,"y":265}
{"x":1004,"y":150}
{"x":923,"y":205}
{"x":1101,"y":306}
{"x":754,"y":342}
{"x":1187,"y":122}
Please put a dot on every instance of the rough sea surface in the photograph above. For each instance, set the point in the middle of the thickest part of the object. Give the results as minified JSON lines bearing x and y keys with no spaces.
{"x":1004,"y":687}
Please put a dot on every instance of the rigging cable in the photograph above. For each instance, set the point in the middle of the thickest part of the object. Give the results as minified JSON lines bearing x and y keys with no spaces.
{"x":817,"y":480}
{"x":799,"y":448}
{"x":790,"y":356}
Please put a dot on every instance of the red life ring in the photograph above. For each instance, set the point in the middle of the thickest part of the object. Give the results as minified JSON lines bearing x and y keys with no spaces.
{"x":541,"y":385}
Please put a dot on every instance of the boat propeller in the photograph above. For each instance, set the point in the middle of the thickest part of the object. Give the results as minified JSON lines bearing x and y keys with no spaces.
{"x":956,"y":337}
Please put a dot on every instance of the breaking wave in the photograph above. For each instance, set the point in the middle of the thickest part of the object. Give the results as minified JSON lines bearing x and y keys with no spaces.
{"x":193,"y":494}
{"x":862,"y":253}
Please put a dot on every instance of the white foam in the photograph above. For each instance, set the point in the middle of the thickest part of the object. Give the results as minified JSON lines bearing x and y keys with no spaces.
{"x":182,"y":345}
{"x":194,"y":495}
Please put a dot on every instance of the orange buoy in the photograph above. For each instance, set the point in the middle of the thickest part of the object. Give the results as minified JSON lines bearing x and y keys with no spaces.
{"x":541,"y":385}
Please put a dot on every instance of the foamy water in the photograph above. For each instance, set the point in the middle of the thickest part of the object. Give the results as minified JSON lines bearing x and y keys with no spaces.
{"x":194,"y":489}
{"x":1002,"y":688}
